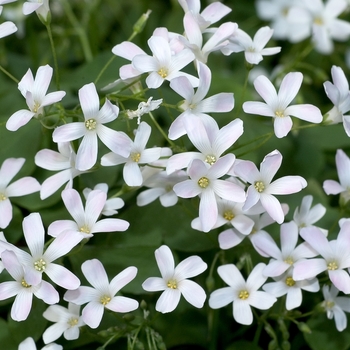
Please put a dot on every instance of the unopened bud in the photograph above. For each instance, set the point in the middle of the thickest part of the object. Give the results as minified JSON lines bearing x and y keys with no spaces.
{"x":141,"y":22}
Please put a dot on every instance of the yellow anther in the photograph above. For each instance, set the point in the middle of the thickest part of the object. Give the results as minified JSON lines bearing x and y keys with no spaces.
{"x":203,"y":182}
{"x":332,"y":266}
{"x":172,"y":284}
{"x":25,"y":284}
{"x":90,"y":124}
{"x":210,"y":159}
{"x":228,"y":215}
{"x":243,"y":294}
{"x":163,"y":72}
{"x":290,"y":282}
{"x":105,"y":299}
{"x":259,"y":186}
{"x":40,"y":265}
{"x":135,"y":157}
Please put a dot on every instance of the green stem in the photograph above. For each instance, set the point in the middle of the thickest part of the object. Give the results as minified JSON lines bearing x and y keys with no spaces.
{"x":79,"y":30}
{"x":9,"y":74}
{"x":104,"y":69}
{"x":172,"y":144}
{"x":54,"y":55}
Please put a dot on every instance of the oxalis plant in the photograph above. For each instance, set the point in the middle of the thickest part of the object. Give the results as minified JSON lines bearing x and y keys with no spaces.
{"x":174,"y":174}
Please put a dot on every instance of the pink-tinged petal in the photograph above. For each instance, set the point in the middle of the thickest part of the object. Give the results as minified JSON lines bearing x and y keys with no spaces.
{"x":197,"y":169}
{"x":221,"y":297}
{"x":204,"y":74}
{"x":21,"y":306}
{"x":178,"y":61}
{"x":150,"y":155}
{"x":89,"y":101}
{"x":94,"y":205}
{"x":306,"y":269}
{"x":193,"y":293}
{"x":317,"y":241}
{"x":62,"y":245}
{"x":190,"y":267}
{"x":74,"y":205}
{"x":221,"y":167}
{"x":258,"y":108}
{"x":242,"y":312}
{"x":187,"y":189}
{"x":287,"y":185}
{"x":82,"y":295}
{"x":282,"y":126}
{"x":230,"y":238}
{"x":52,"y":98}
{"x":122,"y":279}
{"x":9,"y":169}
{"x":340,"y":279}
{"x":340,"y":81}
{"x":62,"y":276}
{"x":122,"y":304}
{"x":262,"y":37}
{"x":127,"y":50}
{"x":5,"y":213}
{"x":160,"y":49}
{"x":289,"y":237}
{"x":54,"y":182}
{"x":69,"y":132}
{"x":275,"y":268}
{"x":256,"y":278}
{"x":132,"y":174}
{"x":306,"y":112}
{"x":332,"y":92}
{"x":181,"y":160}
{"x":41,"y":82}
{"x":266,"y":90}
{"x":14,"y":268}
{"x":87,"y":152}
{"x":18,"y":119}
{"x":111,"y":159}
{"x":229,"y":190}
{"x":152,"y":284}
{"x":182,"y":86}
{"x":142,"y":135}
{"x":192,"y":30}
{"x":127,"y":72}
{"x":253,"y":197}
{"x":228,"y":135}
{"x":208,"y":210}
{"x":110,"y":225}
{"x":247,"y":171}
{"x":95,"y":273}
{"x":343,"y":167}
{"x":332,"y":187}
{"x":289,"y":88}
{"x":168,"y":300}
{"x":215,"y":11}
{"x":30,"y":7}
{"x":261,"y":300}
{"x":23,"y":186}
{"x":222,"y":102}
{"x":231,"y":275}
{"x":47,"y":293}
{"x":34,"y":234}
{"x":270,"y":165}
{"x":107,"y":113}
{"x":117,"y":142}
{"x":145,"y":63}
{"x":9,"y":289}
{"x":272,"y":206}
{"x":7,"y":28}
{"x":268,"y":246}
{"x":92,"y":314}
{"x":51,"y":160}
{"x":165,"y":261}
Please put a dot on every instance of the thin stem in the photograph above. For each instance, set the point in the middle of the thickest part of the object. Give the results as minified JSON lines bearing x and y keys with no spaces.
{"x":104,"y":69}
{"x":172,"y":144}
{"x":9,"y":74}
{"x":54,"y":55}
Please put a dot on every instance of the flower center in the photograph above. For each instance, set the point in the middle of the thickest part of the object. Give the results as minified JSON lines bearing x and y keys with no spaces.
{"x":2,"y":197}
{"x":332,"y":266}
{"x":318,"y":21}
{"x":90,"y":124}
{"x":279,"y":113}
{"x":40,"y":265}
{"x":105,"y":299}
{"x":36,"y":107}
{"x":163,"y":72}
{"x":73,"y":321}
{"x":290,"y":282}
{"x":328,"y":304}
{"x":84,"y":229}
{"x":135,"y":156}
{"x":243,"y":294}
{"x":203,"y":182}
{"x":210,"y":159}
{"x":228,"y":215}
{"x":172,"y":284}
{"x":25,"y":284}
{"x":259,"y":186}
{"x":289,"y":260}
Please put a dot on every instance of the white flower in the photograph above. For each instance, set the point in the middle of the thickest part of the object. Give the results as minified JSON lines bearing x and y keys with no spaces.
{"x":335,"y":306}
{"x":103,"y":293}
{"x":277,"y":104}
{"x":92,"y":129}
{"x":34,"y":91}
{"x":41,"y":7}
{"x":29,"y":344}
{"x":67,"y":322}
{"x":174,"y":281}
{"x":243,"y":294}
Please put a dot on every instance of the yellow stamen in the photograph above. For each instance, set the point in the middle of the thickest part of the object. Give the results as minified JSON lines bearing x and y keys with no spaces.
{"x":25,"y":284}
{"x":163,"y":72}
{"x":2,"y":197}
{"x":90,"y":124}
{"x":135,"y":157}
{"x":40,"y":265}
{"x":290,"y":282}
{"x":332,"y":266}
{"x":203,"y":182}
{"x":279,"y":113}
{"x":210,"y":159}
{"x":228,"y":215}
{"x":73,"y":321}
{"x":172,"y":284}
{"x":243,"y":294}
{"x":259,"y":186}
{"x":105,"y":299}
{"x":84,"y":229}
